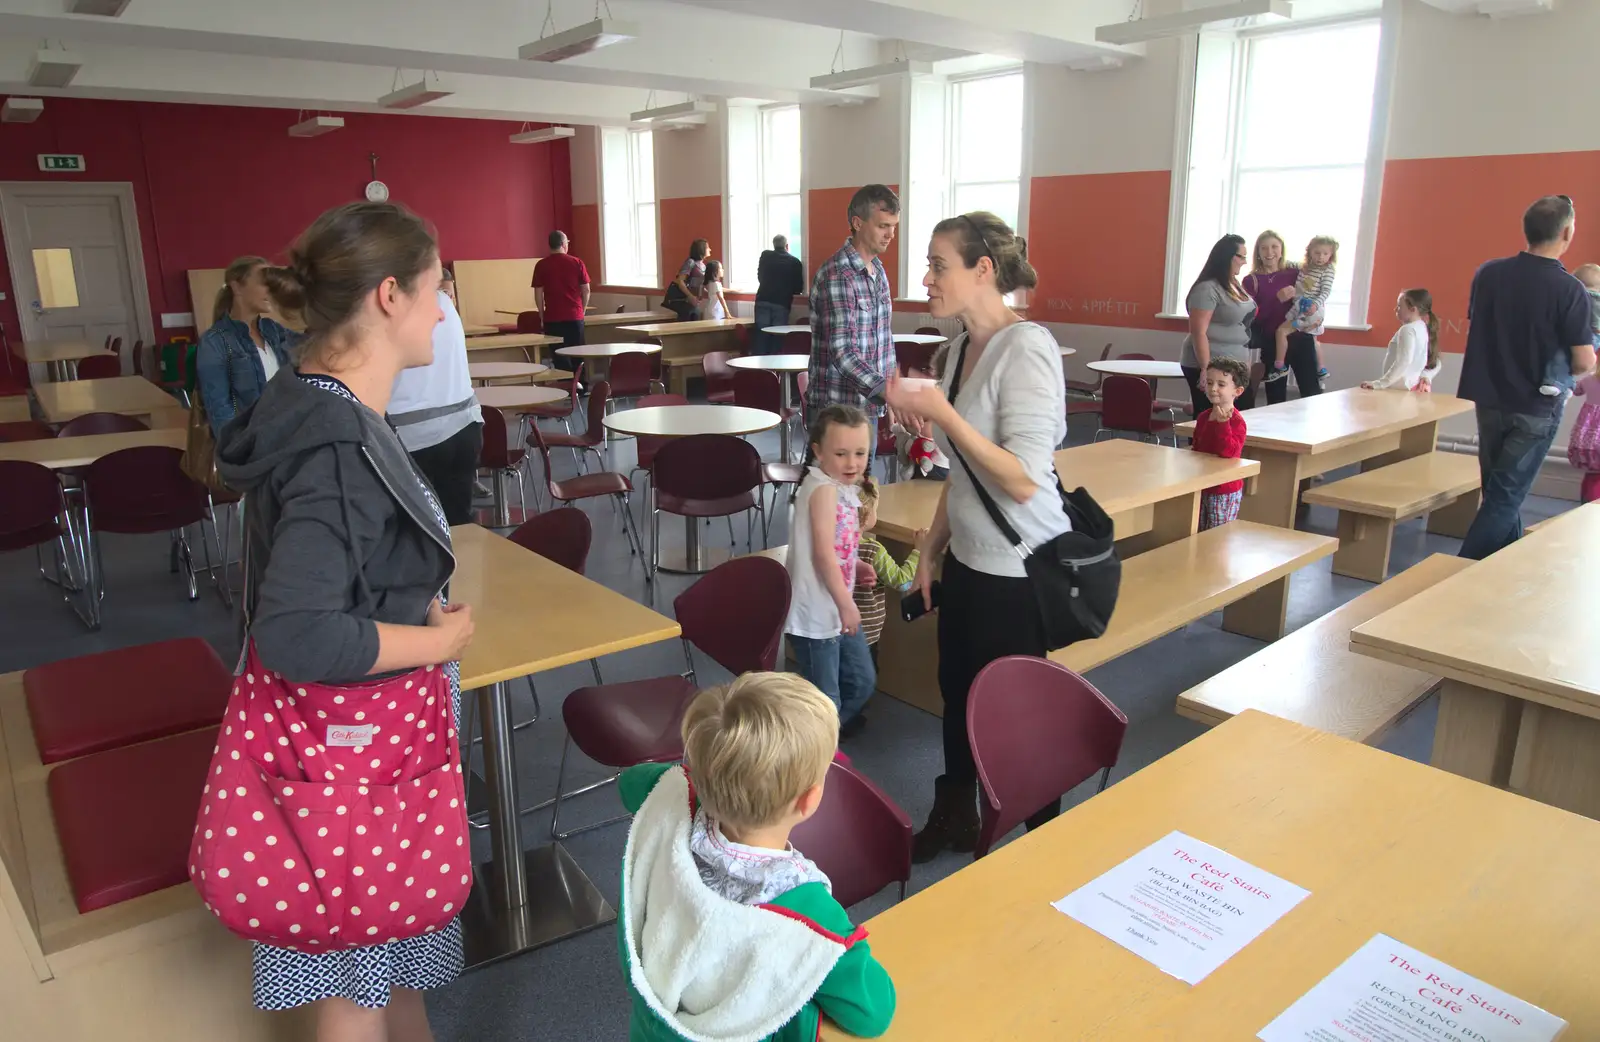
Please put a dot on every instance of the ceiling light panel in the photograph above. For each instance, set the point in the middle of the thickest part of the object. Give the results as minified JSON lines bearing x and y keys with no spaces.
{"x":21,"y":110}
{"x":1240,"y":14}
{"x":54,"y":68}
{"x":317,"y":126}
{"x":870,"y":74}
{"x":585,"y":39}
{"x":103,"y":8}
{"x":541,"y":136}
{"x":419,"y":93}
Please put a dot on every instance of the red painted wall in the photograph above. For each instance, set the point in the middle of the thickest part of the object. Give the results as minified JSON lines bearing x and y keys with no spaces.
{"x":682,"y":221}
{"x":213,"y":182}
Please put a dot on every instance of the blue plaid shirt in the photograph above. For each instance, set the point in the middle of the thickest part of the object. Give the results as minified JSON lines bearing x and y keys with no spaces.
{"x":852,"y":345}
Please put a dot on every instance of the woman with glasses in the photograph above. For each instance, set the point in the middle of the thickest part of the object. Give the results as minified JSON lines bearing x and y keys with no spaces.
{"x":1220,"y":312}
{"x":998,"y":413}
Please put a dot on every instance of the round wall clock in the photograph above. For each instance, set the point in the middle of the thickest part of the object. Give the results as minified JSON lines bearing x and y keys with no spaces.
{"x":376,"y":191}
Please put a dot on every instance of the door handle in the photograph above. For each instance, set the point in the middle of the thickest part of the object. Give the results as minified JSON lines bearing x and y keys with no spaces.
{"x":37,"y":310}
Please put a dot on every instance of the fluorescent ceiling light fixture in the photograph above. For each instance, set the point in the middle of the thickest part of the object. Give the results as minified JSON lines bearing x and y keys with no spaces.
{"x":870,"y":74}
{"x":1240,"y":14}
{"x":585,"y":39}
{"x":539,"y":137}
{"x":103,"y":8}
{"x":317,"y":126}
{"x":685,"y":114}
{"x":54,"y":68}
{"x":418,"y":93}
{"x":21,"y":110}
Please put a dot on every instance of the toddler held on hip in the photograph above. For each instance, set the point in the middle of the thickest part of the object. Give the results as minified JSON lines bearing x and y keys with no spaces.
{"x":1583,"y":448}
{"x":824,"y":624}
{"x":1412,"y":360}
{"x":1307,"y":314}
{"x":1220,"y":431}
{"x":1558,"y":378}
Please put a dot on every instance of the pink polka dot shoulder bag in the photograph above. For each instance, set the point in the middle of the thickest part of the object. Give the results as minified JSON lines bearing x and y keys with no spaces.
{"x":333,"y":816}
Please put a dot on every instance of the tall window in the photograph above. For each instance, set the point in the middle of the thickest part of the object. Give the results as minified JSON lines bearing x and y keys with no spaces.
{"x":1280,"y":140}
{"x":763,"y":187}
{"x":966,"y":155}
{"x":628,"y":194}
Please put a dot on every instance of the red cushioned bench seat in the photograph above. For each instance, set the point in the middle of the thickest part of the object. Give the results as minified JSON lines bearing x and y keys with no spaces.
{"x":125,"y":817}
{"x":85,"y":705}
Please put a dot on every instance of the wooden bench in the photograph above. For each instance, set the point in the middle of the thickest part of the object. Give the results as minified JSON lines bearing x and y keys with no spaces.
{"x":1236,"y":567}
{"x":156,"y":966}
{"x":679,"y":369}
{"x":1443,"y":485}
{"x":1312,"y":677}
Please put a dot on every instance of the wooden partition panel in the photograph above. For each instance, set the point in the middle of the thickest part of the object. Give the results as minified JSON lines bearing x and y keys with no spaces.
{"x":486,"y":287}
{"x":203,"y":286}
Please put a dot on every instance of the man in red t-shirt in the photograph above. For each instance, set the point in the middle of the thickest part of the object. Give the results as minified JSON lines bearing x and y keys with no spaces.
{"x":561,"y":289}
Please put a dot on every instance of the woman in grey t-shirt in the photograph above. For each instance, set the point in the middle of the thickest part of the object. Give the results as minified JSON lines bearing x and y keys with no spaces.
{"x":1219,"y":315}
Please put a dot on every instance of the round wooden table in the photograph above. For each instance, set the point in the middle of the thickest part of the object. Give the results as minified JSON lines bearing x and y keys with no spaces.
{"x":1065,"y":351}
{"x":505,"y":370}
{"x":786,"y":330}
{"x":592,"y":354}
{"x":785,"y":366}
{"x":680,"y":421}
{"x":518,"y":396}
{"x":920,"y":338}
{"x":1142,"y":367}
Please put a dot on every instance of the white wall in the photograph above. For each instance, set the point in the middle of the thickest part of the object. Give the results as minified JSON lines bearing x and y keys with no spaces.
{"x":689,"y":162}
{"x":848,"y":146}
{"x":1116,"y":121}
{"x":584,"y":150}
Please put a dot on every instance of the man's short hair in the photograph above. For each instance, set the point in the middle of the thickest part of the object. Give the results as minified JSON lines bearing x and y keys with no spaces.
{"x":756,"y":745}
{"x":557,"y":238}
{"x":780,"y":243}
{"x":873,"y":197}
{"x":446,"y":275}
{"x":1543,"y":222}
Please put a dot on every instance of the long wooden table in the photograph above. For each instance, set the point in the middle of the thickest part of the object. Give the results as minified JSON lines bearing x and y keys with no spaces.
{"x":1300,"y":439}
{"x":59,"y":357}
{"x":683,"y":343}
{"x":1490,"y":883}
{"x":14,"y":408}
{"x":1151,"y":492}
{"x":127,"y":395}
{"x":1514,"y":637}
{"x":608,"y":328}
{"x":509,"y":347}
{"x":61,"y":453}
{"x":531,"y":615}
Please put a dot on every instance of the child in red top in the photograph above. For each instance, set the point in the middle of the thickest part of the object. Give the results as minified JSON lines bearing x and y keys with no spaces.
{"x":1220,"y":431}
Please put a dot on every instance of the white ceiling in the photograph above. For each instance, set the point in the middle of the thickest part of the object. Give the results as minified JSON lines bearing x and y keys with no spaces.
{"x":340,"y":55}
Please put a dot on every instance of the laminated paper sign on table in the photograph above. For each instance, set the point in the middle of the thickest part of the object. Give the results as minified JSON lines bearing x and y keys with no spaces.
{"x":1389,"y":992}
{"x":1183,"y":905}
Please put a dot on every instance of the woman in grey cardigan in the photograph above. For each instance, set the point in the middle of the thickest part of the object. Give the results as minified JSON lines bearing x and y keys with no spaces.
{"x":347,"y":551}
{"x":999,"y":406}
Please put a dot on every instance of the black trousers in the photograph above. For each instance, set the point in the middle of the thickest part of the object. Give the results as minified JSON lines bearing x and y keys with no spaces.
{"x":572,"y":335}
{"x":450,"y":468}
{"x":982,"y":617}
{"x":1301,"y":358}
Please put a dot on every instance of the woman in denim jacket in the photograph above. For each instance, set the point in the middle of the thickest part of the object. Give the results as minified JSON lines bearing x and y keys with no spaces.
{"x":243,"y":349}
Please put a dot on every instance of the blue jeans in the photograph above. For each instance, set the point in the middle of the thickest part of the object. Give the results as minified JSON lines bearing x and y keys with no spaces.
{"x":768,"y":314}
{"x":1511,"y":449}
{"x":841,"y":667}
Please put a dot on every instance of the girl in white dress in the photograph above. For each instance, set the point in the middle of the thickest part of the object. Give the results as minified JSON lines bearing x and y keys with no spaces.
{"x":713,"y":304}
{"x":1412,"y":360}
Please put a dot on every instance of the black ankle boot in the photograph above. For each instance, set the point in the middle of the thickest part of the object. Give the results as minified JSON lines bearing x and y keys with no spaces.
{"x":952,"y":824}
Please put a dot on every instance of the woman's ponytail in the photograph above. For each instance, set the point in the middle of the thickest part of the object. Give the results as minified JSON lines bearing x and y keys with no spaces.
{"x":1422,"y":301}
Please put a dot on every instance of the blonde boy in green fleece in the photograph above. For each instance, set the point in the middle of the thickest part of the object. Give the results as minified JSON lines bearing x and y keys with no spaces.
{"x":872,"y":598}
{"x":727,"y":933}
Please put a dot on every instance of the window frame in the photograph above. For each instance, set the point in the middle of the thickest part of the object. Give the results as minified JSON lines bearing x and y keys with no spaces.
{"x":1174,"y":284}
{"x":636,"y":275}
{"x":745,"y":268}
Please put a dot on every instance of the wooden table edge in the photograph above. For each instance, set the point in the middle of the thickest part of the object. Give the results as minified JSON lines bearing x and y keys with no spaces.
{"x":480,"y":680}
{"x":1490,"y":680}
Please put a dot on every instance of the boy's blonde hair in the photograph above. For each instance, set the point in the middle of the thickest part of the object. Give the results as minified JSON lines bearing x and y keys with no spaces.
{"x":1588,"y":274}
{"x":756,"y":745}
{"x":1323,"y":240}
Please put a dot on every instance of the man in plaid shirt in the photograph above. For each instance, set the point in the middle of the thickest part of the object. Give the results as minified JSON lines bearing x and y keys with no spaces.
{"x":852,"y":347}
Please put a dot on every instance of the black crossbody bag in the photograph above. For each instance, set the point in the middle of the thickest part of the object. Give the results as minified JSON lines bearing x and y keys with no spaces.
{"x":1075,"y":576}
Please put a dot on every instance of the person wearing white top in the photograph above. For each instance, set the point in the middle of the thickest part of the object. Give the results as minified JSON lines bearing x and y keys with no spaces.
{"x":435,"y":412}
{"x":713,"y":303}
{"x":998,"y":407}
{"x":1412,"y":360}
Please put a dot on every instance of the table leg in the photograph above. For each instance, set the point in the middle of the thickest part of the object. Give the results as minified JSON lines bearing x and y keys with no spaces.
{"x":1277,"y":492}
{"x":502,"y":510}
{"x":1455,"y":519}
{"x":695,"y":559}
{"x":1476,"y":735}
{"x":1554,"y":761}
{"x":691,"y":544}
{"x":783,"y":428}
{"x":520,"y":900}
{"x":1262,"y":614}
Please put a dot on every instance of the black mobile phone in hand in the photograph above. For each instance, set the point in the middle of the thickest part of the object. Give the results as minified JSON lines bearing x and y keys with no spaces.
{"x":913,"y":607}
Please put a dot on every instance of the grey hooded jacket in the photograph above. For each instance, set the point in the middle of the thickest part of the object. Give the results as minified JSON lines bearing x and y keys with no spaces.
{"x":339,"y":533}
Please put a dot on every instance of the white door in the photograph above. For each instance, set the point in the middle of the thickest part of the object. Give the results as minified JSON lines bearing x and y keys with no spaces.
{"x":77,"y":267}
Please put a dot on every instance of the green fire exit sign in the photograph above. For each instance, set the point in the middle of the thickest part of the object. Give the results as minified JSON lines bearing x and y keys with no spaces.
{"x":61,"y":164}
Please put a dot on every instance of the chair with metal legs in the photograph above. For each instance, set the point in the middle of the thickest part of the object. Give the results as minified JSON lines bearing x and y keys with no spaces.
{"x":34,"y":512}
{"x":735,"y":616}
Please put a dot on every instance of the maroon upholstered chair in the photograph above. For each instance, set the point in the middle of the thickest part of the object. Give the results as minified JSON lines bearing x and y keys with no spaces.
{"x":859,"y":837}
{"x":26,"y":430}
{"x":930,"y":331}
{"x":99,"y":367}
{"x":101,"y":423}
{"x":593,"y":437}
{"x":703,"y":475}
{"x":33,"y":512}
{"x":138,"y":358}
{"x":562,"y":536}
{"x":1126,"y":405}
{"x":498,"y":457}
{"x":563,"y":410}
{"x":797,"y":343}
{"x":647,"y":445}
{"x":589,"y":486}
{"x":915,"y":358}
{"x":734,"y":615}
{"x":137,"y":491}
{"x":719,"y":377}
{"x":759,"y":389}
{"x":630,"y":376}
{"x":1037,"y":730}
{"x":530,"y":322}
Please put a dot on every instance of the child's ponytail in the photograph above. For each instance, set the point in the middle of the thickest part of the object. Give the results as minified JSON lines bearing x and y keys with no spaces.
{"x":1422,"y":300}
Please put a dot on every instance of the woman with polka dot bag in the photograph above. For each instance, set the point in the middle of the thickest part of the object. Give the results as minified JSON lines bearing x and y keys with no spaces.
{"x":332,"y":829}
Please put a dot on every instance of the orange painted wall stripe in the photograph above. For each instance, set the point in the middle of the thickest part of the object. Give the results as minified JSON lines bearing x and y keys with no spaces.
{"x":585,"y":239}
{"x":828,"y":226}
{"x":681,"y":221}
